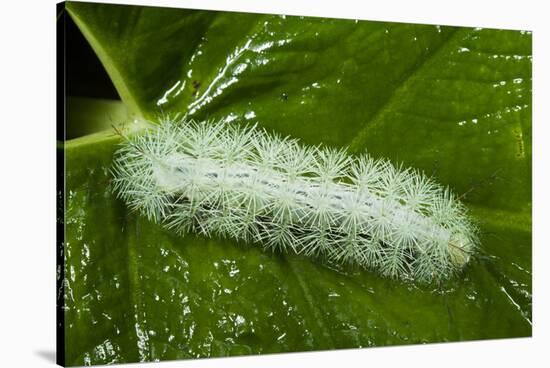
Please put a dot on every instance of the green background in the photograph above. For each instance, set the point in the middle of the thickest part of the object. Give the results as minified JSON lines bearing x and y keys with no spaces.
{"x":454,"y":102}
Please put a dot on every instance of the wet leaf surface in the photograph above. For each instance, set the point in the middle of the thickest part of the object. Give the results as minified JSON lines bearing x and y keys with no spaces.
{"x":455,"y":102}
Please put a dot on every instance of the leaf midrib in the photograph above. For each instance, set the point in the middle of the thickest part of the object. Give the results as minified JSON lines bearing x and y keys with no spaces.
{"x":107,"y":62}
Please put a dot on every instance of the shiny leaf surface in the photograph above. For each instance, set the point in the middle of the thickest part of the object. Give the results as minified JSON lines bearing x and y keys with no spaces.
{"x":455,"y":102}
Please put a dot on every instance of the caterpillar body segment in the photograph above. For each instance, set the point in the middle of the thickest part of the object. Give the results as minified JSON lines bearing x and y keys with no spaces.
{"x":221,"y":179}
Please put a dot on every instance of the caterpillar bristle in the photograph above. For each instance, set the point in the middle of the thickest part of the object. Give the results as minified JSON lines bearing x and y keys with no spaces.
{"x":220,"y":179}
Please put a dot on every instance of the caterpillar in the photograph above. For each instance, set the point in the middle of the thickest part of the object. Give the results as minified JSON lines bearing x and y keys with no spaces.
{"x":245,"y":183}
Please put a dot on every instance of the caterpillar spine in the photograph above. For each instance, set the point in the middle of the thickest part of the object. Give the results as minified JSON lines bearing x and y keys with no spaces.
{"x":221,"y":179}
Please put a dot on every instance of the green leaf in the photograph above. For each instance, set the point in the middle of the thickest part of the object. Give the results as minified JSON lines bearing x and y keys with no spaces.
{"x":90,"y":115}
{"x":455,"y":102}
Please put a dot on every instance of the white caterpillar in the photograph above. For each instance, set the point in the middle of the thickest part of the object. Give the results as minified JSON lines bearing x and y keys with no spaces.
{"x":247,"y":184}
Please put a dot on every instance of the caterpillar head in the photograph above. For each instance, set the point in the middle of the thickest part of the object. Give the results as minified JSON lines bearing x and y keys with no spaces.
{"x":461,"y":247}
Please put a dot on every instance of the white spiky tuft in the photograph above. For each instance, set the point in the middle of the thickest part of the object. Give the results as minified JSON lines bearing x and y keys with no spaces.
{"x":224,"y":180}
